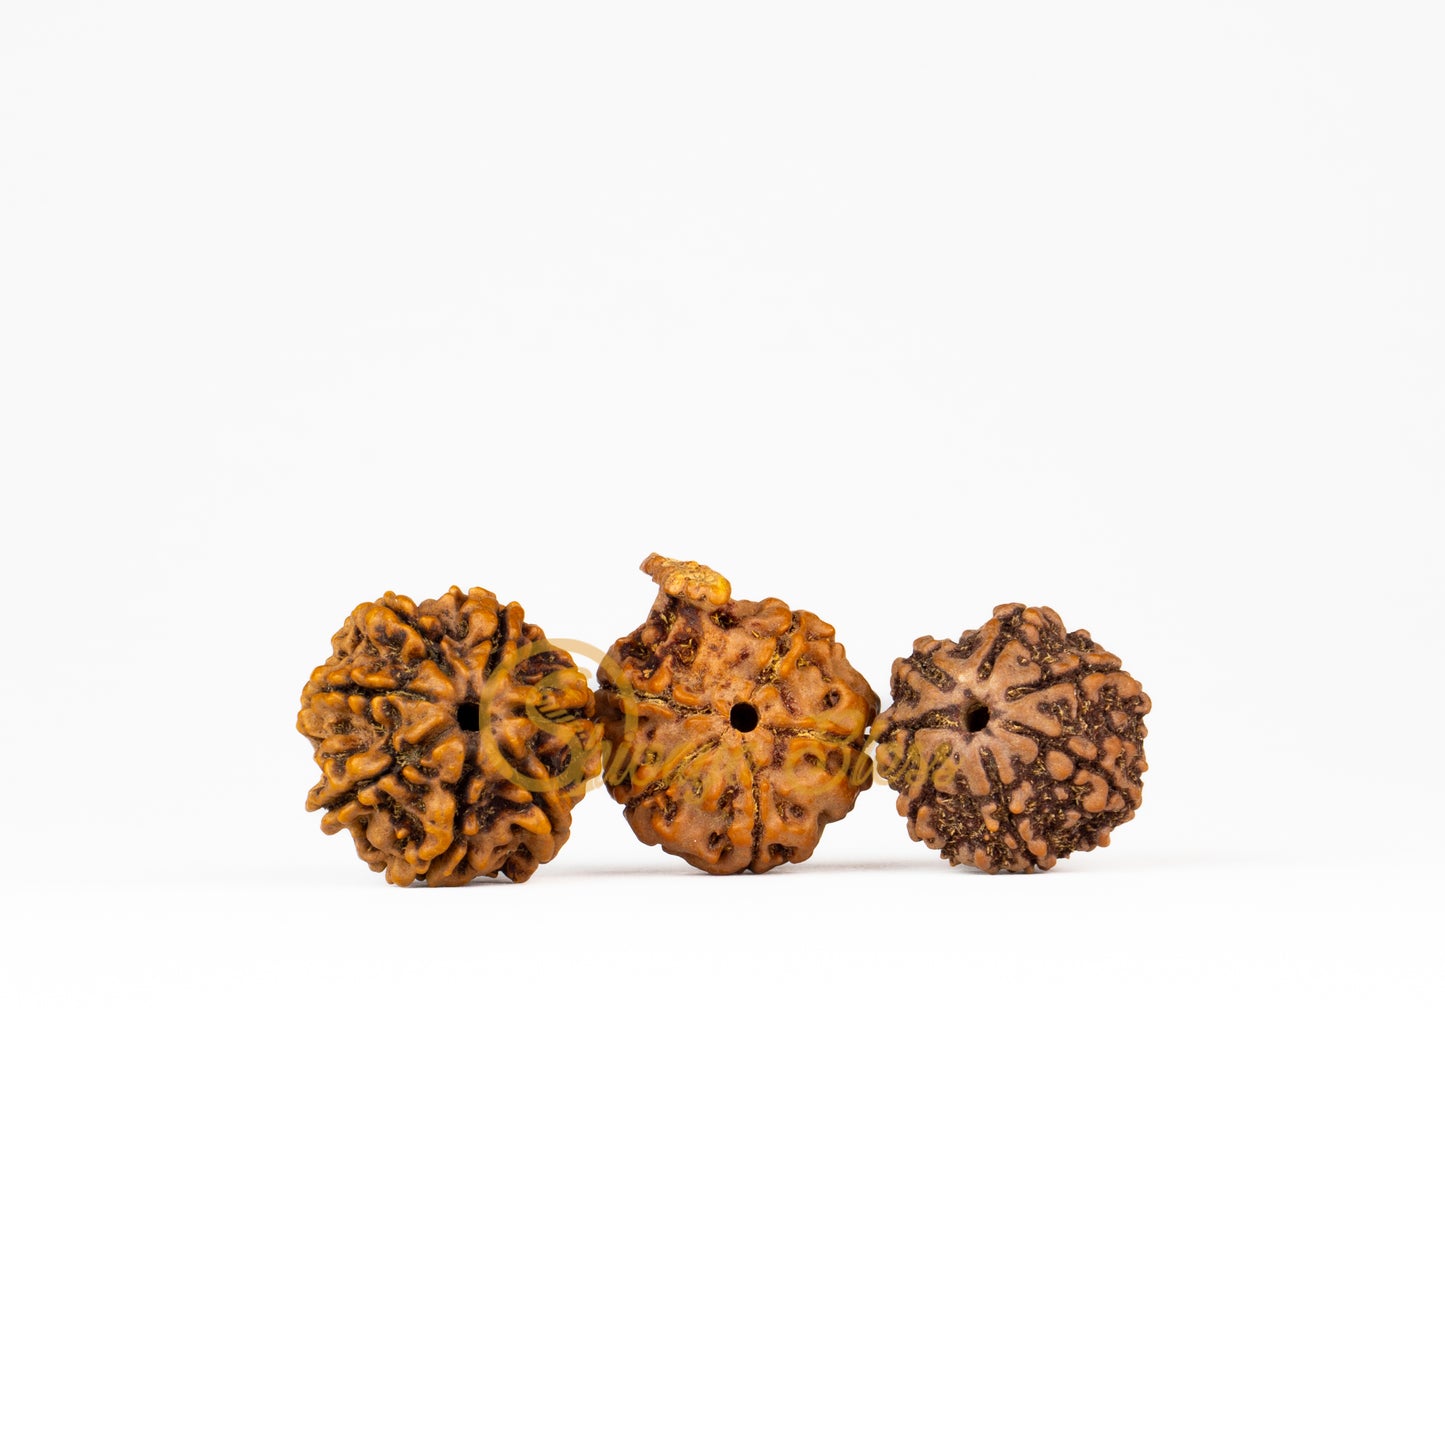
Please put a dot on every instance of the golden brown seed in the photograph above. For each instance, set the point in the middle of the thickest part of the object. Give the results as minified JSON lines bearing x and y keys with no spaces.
{"x":453,"y":738}
{"x":735,"y":730}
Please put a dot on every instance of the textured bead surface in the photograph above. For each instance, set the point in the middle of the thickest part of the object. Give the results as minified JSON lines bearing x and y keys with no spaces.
{"x":453,"y":738}
{"x":736,"y":731}
{"x":1016,"y":745}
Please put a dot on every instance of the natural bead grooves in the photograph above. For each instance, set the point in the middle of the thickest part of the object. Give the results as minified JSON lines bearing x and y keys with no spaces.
{"x":736,"y":731}
{"x":1016,"y":745}
{"x":453,"y":738}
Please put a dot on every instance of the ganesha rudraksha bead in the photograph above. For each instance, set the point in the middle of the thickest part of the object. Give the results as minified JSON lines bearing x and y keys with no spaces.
{"x":735,"y":731}
{"x":453,"y":738}
{"x":1014,"y":746}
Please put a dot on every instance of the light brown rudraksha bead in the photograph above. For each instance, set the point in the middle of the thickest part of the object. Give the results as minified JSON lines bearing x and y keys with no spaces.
{"x":1014,"y":746}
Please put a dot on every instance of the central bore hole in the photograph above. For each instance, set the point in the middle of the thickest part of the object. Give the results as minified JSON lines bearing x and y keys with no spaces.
{"x":469,"y":717}
{"x":976,"y":718}
{"x":744,"y":717}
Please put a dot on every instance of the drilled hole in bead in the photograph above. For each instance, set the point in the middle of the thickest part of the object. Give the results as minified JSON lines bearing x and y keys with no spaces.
{"x":744,"y":717}
{"x":469,"y":717}
{"x":976,"y":718}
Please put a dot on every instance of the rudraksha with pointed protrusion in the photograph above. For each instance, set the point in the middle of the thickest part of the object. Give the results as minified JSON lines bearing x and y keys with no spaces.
{"x":453,"y":738}
{"x":735,"y":731}
{"x":1014,"y":746}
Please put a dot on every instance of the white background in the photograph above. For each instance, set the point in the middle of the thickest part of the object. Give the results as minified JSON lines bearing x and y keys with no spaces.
{"x":896,"y":312}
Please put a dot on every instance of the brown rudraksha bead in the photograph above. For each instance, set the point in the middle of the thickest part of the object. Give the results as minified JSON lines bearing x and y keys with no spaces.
{"x":735,"y":731}
{"x":453,"y":738}
{"x":1014,"y":746}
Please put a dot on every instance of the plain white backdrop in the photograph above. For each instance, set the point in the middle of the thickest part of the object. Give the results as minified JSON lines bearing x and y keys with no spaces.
{"x":895,"y":312}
